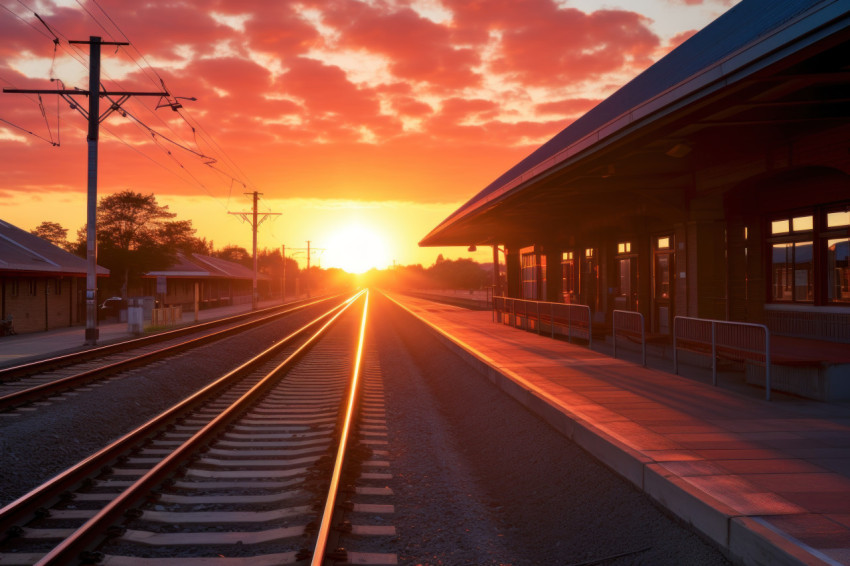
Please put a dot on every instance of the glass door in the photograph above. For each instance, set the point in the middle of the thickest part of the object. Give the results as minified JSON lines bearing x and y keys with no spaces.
{"x":662,"y":289}
{"x":626,"y":296}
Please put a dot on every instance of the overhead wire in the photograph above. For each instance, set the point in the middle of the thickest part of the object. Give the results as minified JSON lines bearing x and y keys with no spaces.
{"x":147,"y":70}
{"x":176,"y":107}
{"x":24,"y":21}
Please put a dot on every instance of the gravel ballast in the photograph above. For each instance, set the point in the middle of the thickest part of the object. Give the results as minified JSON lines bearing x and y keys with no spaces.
{"x":481,"y":480}
{"x":37,"y":444}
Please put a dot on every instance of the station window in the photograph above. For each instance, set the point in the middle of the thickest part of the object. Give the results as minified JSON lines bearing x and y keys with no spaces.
{"x":33,"y":286}
{"x":530,"y":273}
{"x":838,"y":256}
{"x":624,"y":247}
{"x":15,"y":286}
{"x":792,"y":271}
{"x":810,"y":254}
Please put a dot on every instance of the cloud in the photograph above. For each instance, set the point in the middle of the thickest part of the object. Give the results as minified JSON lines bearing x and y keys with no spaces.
{"x":540,"y":43}
{"x":567,"y":107}
{"x":416,"y":48}
{"x":396,"y":98}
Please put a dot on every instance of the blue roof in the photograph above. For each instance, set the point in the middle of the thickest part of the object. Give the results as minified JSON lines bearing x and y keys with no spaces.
{"x":746,"y":23}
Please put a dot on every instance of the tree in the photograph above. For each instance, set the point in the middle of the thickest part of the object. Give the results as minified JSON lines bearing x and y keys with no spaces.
{"x":179,"y":235}
{"x":134,"y":235}
{"x":236,"y":254}
{"x":461,"y":273}
{"x":54,"y":233}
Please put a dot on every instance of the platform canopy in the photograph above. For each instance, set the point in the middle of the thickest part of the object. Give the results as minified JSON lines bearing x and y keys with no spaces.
{"x":765,"y":72}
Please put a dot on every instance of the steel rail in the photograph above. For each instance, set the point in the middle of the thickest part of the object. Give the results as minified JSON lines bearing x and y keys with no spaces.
{"x":28,"y":395}
{"x":24,"y":508}
{"x":325,"y":525}
{"x":37,"y":366}
{"x":95,"y":528}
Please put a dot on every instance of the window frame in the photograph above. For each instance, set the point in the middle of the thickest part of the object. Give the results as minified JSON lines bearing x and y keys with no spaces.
{"x":818,"y":234}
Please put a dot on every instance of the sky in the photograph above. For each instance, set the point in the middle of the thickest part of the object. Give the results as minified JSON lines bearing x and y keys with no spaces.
{"x":361,"y":123}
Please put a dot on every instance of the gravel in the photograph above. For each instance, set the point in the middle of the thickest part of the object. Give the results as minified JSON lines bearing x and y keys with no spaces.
{"x":36,"y":445}
{"x":481,"y":480}
{"x":477,"y":478}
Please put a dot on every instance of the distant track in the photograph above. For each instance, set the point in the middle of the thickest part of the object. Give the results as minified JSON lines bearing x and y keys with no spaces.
{"x":26,"y":383}
{"x":248,"y":468}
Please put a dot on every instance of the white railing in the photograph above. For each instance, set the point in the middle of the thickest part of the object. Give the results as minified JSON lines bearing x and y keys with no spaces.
{"x":629,"y":324}
{"x":574,"y":320}
{"x":737,"y":341}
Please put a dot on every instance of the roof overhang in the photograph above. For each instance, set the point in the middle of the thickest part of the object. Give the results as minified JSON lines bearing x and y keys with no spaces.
{"x":783,"y":84}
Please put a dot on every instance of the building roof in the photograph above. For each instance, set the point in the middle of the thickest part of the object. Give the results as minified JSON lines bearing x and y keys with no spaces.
{"x":204,"y":266}
{"x":749,"y":37}
{"x":25,"y":253}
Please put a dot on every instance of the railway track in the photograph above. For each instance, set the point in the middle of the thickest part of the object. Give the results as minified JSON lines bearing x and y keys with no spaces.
{"x":244,"y":472}
{"x":27,"y":383}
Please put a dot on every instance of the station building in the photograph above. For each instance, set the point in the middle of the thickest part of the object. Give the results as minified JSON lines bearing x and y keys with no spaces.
{"x":715,"y":184}
{"x":42,"y":286}
{"x":218,"y":282}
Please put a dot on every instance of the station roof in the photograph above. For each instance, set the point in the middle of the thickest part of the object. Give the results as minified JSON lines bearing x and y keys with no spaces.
{"x":206,"y":267}
{"x":763,"y":65}
{"x":22,"y":253}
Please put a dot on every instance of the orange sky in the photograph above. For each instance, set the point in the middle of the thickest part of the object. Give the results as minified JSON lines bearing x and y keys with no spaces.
{"x":364,"y":123}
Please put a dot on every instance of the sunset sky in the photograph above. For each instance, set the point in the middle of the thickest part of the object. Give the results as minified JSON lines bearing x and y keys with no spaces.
{"x":364,"y":123}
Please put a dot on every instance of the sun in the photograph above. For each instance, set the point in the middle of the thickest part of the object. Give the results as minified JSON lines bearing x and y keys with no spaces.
{"x":356,"y":248}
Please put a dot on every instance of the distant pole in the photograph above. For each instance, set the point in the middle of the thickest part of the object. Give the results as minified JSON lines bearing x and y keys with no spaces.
{"x":94,"y":118}
{"x":307,"y":278}
{"x":255,"y":223}
{"x":254,"y":297}
{"x":496,"y":273}
{"x":283,"y":279}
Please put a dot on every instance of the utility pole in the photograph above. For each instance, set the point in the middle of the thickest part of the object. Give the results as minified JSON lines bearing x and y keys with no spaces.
{"x":283,"y":280}
{"x":309,"y":252}
{"x":255,"y":222}
{"x":94,"y":118}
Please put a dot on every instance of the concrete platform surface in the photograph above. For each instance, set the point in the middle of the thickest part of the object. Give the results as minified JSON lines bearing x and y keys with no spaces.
{"x":767,"y":481}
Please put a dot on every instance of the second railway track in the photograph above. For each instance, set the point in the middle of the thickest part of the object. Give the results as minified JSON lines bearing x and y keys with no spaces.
{"x":34,"y":381}
{"x":244,"y":474}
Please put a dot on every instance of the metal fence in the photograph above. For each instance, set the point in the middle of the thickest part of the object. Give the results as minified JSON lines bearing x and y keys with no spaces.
{"x":736,"y":341}
{"x":572,"y":321}
{"x":629,"y":324}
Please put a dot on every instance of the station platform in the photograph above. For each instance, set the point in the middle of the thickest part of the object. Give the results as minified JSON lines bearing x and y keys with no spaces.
{"x":768,"y":481}
{"x":22,"y":348}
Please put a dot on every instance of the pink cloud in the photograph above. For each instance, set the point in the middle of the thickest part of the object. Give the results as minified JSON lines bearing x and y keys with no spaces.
{"x":569,"y":107}
{"x":417,"y":48}
{"x":544,"y":44}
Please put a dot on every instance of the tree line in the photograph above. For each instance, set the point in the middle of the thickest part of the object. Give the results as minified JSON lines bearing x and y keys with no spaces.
{"x":135,"y":235}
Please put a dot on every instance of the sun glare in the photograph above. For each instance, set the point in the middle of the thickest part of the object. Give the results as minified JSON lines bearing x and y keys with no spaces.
{"x":356,"y":249}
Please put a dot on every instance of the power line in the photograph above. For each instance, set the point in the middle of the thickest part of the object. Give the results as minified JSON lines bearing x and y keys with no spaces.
{"x":51,"y":142}
{"x":200,"y":134}
{"x":24,"y":21}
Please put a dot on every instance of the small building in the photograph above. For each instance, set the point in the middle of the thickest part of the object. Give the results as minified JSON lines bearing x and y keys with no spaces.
{"x":42,"y":286}
{"x":219,"y":282}
{"x":715,"y":184}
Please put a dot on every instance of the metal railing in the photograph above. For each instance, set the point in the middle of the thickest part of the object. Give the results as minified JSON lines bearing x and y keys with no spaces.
{"x":574,"y":320}
{"x":737,"y":341}
{"x":629,"y":324}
